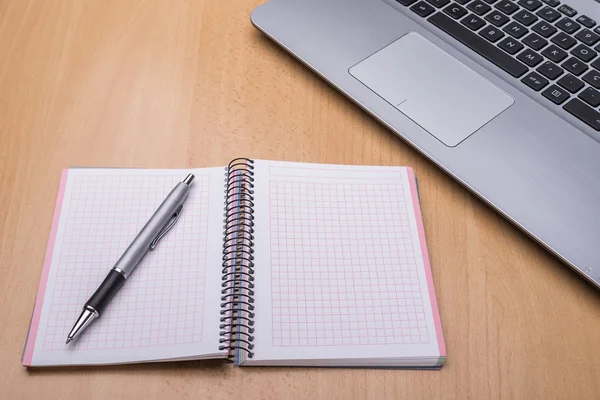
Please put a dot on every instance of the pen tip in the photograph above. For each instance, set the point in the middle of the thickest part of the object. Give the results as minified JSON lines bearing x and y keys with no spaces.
{"x":188,"y":179}
{"x":68,"y":340}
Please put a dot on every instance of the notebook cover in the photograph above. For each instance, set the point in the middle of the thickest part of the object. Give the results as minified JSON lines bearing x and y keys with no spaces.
{"x":37,"y":311}
{"x":428,"y":274}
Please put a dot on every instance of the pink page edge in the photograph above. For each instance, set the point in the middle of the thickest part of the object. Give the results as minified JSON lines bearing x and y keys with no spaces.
{"x":37,"y":311}
{"x":432,"y":298}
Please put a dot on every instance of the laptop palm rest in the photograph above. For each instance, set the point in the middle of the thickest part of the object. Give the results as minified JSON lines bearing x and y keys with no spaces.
{"x":436,"y":91}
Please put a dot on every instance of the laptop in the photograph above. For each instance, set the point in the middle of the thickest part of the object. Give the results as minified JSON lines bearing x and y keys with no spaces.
{"x":502,"y":95}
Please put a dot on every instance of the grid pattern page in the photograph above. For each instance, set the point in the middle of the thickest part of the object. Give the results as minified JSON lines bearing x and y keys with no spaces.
{"x":346,"y":269}
{"x":343,"y":267}
{"x":162,"y":304}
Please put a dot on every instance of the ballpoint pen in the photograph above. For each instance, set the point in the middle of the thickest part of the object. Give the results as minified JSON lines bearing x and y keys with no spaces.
{"x":155,"y":229}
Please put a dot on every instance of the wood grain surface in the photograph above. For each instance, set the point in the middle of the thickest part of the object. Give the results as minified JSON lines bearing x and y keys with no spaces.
{"x":177,"y":83}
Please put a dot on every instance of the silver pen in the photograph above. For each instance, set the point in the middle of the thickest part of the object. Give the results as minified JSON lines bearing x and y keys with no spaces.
{"x":155,"y":229}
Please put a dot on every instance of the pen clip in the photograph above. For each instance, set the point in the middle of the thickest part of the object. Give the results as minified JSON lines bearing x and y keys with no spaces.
{"x":167,"y":227}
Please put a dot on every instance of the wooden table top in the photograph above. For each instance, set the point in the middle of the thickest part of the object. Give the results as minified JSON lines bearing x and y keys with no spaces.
{"x":192,"y":84}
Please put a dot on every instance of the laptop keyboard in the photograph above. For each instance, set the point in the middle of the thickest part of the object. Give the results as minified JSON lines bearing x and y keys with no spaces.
{"x":542,"y":42}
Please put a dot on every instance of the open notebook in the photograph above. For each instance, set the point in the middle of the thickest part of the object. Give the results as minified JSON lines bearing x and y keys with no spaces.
{"x":303,"y":264}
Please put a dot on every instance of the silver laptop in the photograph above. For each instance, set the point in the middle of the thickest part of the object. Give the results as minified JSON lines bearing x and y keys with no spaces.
{"x":502,"y":95}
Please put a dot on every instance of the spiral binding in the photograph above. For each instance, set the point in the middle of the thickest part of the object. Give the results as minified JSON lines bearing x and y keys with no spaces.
{"x":237,"y":294}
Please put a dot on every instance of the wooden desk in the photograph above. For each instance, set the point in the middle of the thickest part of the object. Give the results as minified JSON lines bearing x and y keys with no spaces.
{"x":179,"y":83}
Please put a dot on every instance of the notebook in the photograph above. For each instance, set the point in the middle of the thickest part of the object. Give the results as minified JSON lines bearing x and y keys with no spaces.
{"x":271,"y":263}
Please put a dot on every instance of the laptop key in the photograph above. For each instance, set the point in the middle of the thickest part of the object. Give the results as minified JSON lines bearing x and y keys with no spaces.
{"x":586,"y":21}
{"x":556,"y":94}
{"x":406,"y":2}
{"x":583,"y":53}
{"x":530,"y":57}
{"x":510,"y":45}
{"x":491,"y":33}
{"x":535,"y":81}
{"x":490,"y":1}
{"x":525,"y":17}
{"x":593,"y":78}
{"x":570,"y":83}
{"x":552,"y":3}
{"x":584,"y":112}
{"x":515,"y":29}
{"x":588,"y":37}
{"x":422,"y":9}
{"x":590,"y":96}
{"x":496,"y":18}
{"x":574,"y":66}
{"x":535,"y":41}
{"x":563,"y":40}
{"x":568,"y":25}
{"x":531,"y":5}
{"x":550,"y":70}
{"x":565,"y":9}
{"x":554,"y":53}
{"x":463,"y":2}
{"x":507,"y":7}
{"x":596,"y":64}
{"x":438,"y":3}
{"x":473,"y":22}
{"x":549,"y":14}
{"x":544,"y":29}
{"x":479,"y":45}
{"x":479,"y":7}
{"x":455,"y":11}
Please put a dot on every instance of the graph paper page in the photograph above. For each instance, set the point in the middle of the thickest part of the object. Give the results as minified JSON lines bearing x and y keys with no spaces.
{"x":341,"y":269}
{"x":168,"y":307}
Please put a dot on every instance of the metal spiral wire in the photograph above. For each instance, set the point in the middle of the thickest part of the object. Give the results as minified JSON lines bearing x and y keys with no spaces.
{"x":237,"y":275}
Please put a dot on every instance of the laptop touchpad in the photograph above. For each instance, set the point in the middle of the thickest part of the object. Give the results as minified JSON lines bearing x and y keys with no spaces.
{"x":432,"y":88}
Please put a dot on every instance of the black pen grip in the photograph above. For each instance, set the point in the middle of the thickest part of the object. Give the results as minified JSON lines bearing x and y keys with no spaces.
{"x":106,"y":291}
